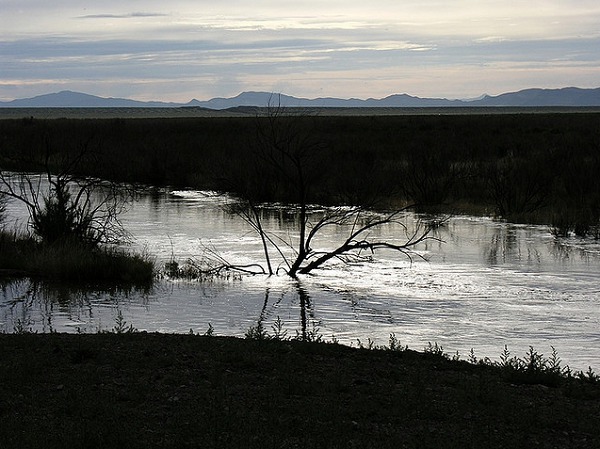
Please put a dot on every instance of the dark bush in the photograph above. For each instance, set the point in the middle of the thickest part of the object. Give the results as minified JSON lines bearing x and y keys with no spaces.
{"x":524,"y":167}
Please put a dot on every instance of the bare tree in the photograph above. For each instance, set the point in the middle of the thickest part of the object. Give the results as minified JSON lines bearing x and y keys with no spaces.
{"x":516,"y":188}
{"x":287,"y":159}
{"x":63,"y":205}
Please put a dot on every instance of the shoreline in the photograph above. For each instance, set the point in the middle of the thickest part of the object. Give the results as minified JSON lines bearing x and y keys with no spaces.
{"x":161,"y":390}
{"x":252,"y":111}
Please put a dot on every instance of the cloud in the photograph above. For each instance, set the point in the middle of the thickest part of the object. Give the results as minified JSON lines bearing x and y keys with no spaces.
{"x":426,"y":47}
{"x":122,"y":16}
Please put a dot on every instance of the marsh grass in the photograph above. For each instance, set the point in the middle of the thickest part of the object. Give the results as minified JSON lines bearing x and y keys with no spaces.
{"x":533,"y":368}
{"x":73,"y":261}
{"x":527,"y":167}
{"x":201,"y":270}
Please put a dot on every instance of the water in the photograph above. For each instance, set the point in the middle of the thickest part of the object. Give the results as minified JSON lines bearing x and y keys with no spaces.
{"x":480,"y":284}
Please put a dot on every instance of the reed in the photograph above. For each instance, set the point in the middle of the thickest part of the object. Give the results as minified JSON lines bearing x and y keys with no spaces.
{"x":70,"y":260}
{"x":527,"y":167}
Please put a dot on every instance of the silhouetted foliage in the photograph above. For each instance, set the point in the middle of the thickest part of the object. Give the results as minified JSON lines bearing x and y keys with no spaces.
{"x":286,"y":160}
{"x":63,"y":205}
{"x":535,"y":167}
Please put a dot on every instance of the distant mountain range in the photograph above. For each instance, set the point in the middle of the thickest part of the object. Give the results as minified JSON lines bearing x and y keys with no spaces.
{"x":569,"y":97}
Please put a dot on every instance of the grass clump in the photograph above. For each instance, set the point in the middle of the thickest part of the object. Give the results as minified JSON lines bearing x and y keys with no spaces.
{"x":203,"y":270}
{"x":70,"y":260}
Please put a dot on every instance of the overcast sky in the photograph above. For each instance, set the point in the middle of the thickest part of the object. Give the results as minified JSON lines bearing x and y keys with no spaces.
{"x":178,"y":50}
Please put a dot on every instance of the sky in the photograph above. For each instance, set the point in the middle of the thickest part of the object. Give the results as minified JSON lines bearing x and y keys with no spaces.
{"x":178,"y":50}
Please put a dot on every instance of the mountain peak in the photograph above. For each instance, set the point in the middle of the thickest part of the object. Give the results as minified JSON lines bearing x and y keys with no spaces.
{"x":534,"y":97}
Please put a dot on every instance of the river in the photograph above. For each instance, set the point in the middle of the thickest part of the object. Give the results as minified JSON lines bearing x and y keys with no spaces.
{"x":479,"y":284}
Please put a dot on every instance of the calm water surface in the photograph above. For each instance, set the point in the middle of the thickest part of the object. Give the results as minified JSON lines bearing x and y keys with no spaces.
{"x":482,"y":284}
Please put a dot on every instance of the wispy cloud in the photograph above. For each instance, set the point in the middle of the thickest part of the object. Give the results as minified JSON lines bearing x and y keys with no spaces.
{"x":131,"y":15}
{"x":201,"y":48}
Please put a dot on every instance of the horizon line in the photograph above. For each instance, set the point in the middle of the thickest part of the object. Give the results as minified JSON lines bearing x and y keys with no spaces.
{"x":478,"y":97}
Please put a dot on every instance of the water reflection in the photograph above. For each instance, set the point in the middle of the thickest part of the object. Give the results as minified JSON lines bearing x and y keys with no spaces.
{"x":481,"y":284}
{"x":42,"y":306}
{"x":306,"y":311}
{"x":565,"y":250}
{"x":510,"y":244}
{"x":503,"y":244}
{"x":306,"y":327}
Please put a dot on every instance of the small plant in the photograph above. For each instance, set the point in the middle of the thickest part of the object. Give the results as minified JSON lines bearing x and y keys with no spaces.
{"x":534,"y":368}
{"x":589,"y":376}
{"x":121,"y":326}
{"x":311,"y":335}
{"x":22,"y":327}
{"x":472,"y":358}
{"x":509,"y":362}
{"x":554,"y":361}
{"x":257,"y":332}
{"x":172,"y":269}
{"x":370,"y":344}
{"x":394,"y":344}
{"x":188,"y":271}
{"x":279,"y":333}
{"x":505,"y":357}
{"x":210,"y":331}
{"x":534,"y":362}
{"x":435,"y":349}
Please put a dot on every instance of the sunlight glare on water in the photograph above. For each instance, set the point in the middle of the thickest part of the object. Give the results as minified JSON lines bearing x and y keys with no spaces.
{"x":479,"y":284}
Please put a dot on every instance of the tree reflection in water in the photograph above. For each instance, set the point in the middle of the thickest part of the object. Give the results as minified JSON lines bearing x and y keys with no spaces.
{"x":308,"y":331}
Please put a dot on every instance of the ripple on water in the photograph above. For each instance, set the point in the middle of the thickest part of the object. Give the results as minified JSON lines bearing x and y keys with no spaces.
{"x":484,"y":284}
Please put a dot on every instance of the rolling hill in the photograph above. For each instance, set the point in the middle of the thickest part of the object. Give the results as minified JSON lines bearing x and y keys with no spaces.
{"x":566,"y":97}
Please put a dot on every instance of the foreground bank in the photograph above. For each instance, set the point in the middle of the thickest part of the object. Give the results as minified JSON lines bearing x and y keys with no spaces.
{"x":152,"y":390}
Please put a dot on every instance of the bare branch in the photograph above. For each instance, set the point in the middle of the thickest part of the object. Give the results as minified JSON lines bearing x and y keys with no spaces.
{"x":286,"y":160}
{"x":66,"y":205}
